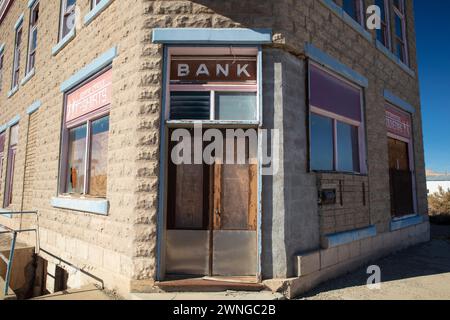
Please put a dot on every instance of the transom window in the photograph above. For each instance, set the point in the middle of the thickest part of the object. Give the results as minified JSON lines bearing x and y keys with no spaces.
{"x":221,"y":87}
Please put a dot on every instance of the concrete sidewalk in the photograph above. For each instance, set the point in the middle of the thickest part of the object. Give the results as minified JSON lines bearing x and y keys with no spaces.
{"x":421,"y":272}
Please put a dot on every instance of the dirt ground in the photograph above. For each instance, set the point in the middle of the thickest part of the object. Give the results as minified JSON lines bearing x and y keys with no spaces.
{"x":418,"y":273}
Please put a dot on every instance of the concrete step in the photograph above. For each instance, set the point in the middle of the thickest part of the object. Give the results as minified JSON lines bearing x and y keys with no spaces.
{"x":89,"y":292}
{"x":206,"y":285}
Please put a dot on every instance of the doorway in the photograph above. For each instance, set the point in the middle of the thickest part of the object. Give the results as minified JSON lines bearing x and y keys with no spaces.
{"x":212,"y":219}
{"x":401,"y":179}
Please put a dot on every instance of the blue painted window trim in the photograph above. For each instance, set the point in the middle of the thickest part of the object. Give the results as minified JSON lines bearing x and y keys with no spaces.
{"x":339,"y":239}
{"x":27,"y":77}
{"x":14,"y":121}
{"x":347,"y":19}
{"x":2,"y":48}
{"x":406,"y":223}
{"x":99,"y":8}
{"x":331,"y":63}
{"x":100,"y":207}
{"x":31,"y":3}
{"x":64,"y":42}
{"x":34,"y":107}
{"x":13,"y":91}
{"x":212,"y":36}
{"x":394,"y":58}
{"x":10,"y":123}
{"x":19,"y":22}
{"x":95,"y":66}
{"x":392,"y":98}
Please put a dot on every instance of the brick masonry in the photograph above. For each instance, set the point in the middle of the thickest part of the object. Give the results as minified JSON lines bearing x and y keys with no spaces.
{"x":121,"y":248}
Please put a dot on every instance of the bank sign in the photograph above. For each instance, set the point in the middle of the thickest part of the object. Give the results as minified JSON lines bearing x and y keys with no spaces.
{"x":213,"y":69}
{"x":90,"y":97}
{"x":398,"y":122}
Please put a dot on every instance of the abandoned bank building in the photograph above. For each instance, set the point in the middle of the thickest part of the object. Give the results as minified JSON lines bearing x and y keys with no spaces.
{"x":92,"y":92}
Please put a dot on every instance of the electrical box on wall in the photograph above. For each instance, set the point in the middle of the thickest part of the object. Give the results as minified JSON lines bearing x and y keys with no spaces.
{"x":327,"y":197}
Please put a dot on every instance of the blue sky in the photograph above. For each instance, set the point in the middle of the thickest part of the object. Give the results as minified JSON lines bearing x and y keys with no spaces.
{"x":433,"y":49}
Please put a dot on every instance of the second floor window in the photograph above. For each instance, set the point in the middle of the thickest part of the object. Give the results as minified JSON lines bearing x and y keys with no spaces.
{"x":400,"y":49}
{"x":16,"y":63}
{"x":383,"y":35}
{"x":32,"y":46}
{"x":354,"y":8}
{"x":67,"y":17}
{"x":94,"y":3}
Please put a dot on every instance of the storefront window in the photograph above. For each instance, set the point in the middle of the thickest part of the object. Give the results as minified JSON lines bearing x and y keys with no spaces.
{"x":347,"y":147}
{"x":99,"y":157}
{"x":77,"y":160}
{"x":322,"y":145}
{"x":336,"y":123}
{"x":12,"y":151}
{"x":87,"y":135}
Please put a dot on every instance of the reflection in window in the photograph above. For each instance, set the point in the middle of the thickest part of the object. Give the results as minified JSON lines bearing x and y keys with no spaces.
{"x":322,"y":155}
{"x":76,"y":160}
{"x":347,"y":147}
{"x":99,"y":157}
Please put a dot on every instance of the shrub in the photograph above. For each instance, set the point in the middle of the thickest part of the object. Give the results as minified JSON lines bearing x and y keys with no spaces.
{"x":439,"y":206}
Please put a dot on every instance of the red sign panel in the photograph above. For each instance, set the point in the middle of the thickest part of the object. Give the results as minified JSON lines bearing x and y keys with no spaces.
{"x":213,"y":69}
{"x":398,"y":122}
{"x":90,"y":97}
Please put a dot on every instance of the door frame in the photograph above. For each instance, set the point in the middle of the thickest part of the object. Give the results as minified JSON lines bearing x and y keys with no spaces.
{"x":412,"y":168}
{"x":161,"y":227}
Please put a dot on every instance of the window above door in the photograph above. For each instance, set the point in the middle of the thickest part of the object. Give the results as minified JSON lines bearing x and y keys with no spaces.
{"x":213,"y":85}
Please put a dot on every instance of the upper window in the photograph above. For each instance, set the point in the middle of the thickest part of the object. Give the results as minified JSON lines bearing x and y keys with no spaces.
{"x":383,"y":34}
{"x":2,"y":150}
{"x":213,"y":88}
{"x":67,"y":22}
{"x":86,"y":132}
{"x":94,"y":3}
{"x":336,"y":130}
{"x":16,"y":61}
{"x":32,"y":45}
{"x":400,"y":47}
{"x":355,"y":9}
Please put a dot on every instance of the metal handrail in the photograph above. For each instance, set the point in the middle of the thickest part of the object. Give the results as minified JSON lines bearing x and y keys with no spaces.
{"x":9,"y":262}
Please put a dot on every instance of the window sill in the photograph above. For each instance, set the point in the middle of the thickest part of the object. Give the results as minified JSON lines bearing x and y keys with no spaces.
{"x":406,"y":222}
{"x":95,"y":206}
{"x":394,"y":58}
{"x":63,"y":42}
{"x":347,"y":19}
{"x":357,"y":174}
{"x":99,"y":8}
{"x":13,"y":91}
{"x":339,"y":239}
{"x":27,"y":77}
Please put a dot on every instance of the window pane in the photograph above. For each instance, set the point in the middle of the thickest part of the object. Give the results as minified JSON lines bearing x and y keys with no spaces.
{"x":99,"y":158}
{"x":76,"y":160}
{"x":350,"y":8}
{"x":236,"y":106}
{"x":348,"y":148}
{"x":322,"y":154}
{"x":398,"y":27}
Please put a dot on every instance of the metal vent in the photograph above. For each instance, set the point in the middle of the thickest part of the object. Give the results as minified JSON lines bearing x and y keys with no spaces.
{"x":190,"y":105}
